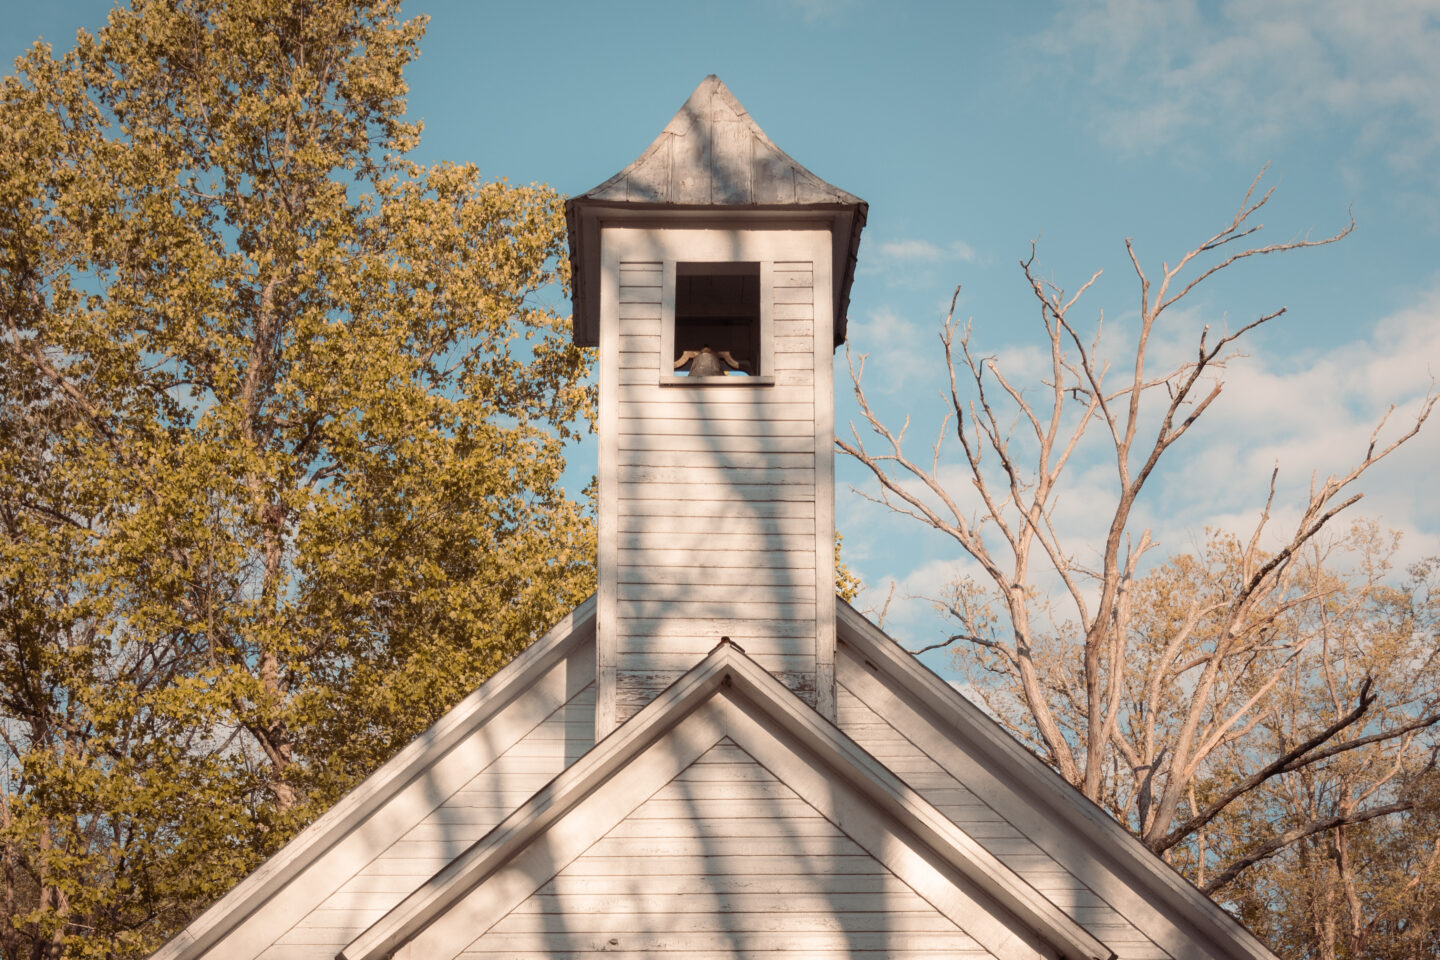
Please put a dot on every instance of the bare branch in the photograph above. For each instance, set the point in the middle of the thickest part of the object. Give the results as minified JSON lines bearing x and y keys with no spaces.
{"x":1285,"y":839}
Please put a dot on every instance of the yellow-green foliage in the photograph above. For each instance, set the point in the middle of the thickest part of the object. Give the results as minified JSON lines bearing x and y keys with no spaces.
{"x":279,"y":450}
{"x":847,"y":584}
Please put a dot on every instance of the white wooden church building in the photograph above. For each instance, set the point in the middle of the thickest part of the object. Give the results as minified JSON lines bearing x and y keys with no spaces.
{"x":714,"y":757}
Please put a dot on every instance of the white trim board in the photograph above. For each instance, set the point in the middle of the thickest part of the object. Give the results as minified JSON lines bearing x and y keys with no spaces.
{"x":962,"y":739}
{"x":394,"y":798}
{"x":727,"y":694}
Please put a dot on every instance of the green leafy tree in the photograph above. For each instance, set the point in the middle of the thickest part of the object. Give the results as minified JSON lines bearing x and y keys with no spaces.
{"x":280,"y":448}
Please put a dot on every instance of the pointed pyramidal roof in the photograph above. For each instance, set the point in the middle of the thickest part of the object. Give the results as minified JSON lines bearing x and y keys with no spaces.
{"x":712,"y":158}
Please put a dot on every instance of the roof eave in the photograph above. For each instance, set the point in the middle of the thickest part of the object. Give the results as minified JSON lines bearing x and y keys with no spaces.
{"x":728,"y":666}
{"x":510,"y":682}
{"x":1000,"y":751}
{"x":584,"y":217}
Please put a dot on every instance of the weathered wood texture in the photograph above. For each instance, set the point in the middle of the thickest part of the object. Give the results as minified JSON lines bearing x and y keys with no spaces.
{"x":725,"y":861}
{"x":716,"y":511}
{"x":461,"y":818}
{"x":981,"y":817}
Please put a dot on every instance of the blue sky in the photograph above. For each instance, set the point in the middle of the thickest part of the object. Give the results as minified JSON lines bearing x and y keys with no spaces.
{"x":973,"y":129}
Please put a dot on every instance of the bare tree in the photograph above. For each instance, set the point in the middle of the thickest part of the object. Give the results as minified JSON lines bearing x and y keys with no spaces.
{"x":1136,"y":718}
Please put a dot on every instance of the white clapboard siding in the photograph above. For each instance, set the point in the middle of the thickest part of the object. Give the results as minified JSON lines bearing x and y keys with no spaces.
{"x":720,"y":476}
{"x":638,"y":421}
{"x":746,"y":442}
{"x":663,"y":577}
{"x":721,"y":459}
{"x":684,"y":523}
{"x":705,"y":493}
{"x":711,"y":629}
{"x":716,"y":592}
{"x":720,"y":559}
{"x":665,"y":540}
{"x":725,"y":861}
{"x":709,"y":491}
{"x":664,"y":507}
{"x":647,"y":661}
{"x":977,"y":818}
{"x":695,"y":400}
{"x":464,"y":817}
{"x":686,"y":409}
{"x":741,"y":609}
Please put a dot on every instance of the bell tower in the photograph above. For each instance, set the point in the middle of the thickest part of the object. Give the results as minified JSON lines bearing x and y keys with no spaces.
{"x":714,"y":273}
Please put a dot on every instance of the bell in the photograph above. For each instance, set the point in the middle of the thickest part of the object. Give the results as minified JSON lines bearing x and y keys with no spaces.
{"x":707,"y":363}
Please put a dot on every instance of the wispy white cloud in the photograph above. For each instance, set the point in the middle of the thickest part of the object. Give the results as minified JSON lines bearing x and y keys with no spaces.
{"x":893,"y":349}
{"x":923,"y":251}
{"x":1168,"y":73}
{"x":1311,"y":415}
{"x":813,"y":10}
{"x":901,"y":262}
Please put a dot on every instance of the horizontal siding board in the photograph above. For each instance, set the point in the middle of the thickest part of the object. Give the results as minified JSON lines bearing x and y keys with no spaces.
{"x":751,"y":799}
{"x":548,"y":944}
{"x":671,"y":809}
{"x":675,"y":660}
{"x":795,"y":377}
{"x":711,"y":492}
{"x":738,"y":768}
{"x":742,"y":525}
{"x":794,"y":359}
{"x":674,"y":404}
{"x":698,"y":920}
{"x":802,"y":327}
{"x":641,"y":331}
{"x":719,"y":559}
{"x":871,"y":885}
{"x":719,"y":459}
{"x":717,"y":443}
{"x":701,"y":400}
{"x":804,"y":293}
{"x":661,"y":507}
{"x":749,"y":827}
{"x":793,"y":311}
{"x":701,"y":575}
{"x":818,"y":849}
{"x":734,"y":609}
{"x":737,"y":630}
{"x":705,"y":593}
{"x":640,"y":317}
{"x":717,"y":475}
{"x":708,"y":542}
{"x":647,"y":425}
{"x":703,"y":641}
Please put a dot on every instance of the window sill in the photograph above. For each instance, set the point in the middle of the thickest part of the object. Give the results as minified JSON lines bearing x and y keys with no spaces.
{"x":741,"y":382}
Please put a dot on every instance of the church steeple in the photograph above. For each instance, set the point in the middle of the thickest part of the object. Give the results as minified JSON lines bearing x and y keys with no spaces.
{"x":711,"y":155}
{"x":713,"y":273}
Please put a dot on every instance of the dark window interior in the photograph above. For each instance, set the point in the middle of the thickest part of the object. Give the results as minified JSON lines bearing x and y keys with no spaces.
{"x":717,"y":305}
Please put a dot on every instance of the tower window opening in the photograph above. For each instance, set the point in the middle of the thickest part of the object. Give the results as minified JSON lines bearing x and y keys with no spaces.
{"x":717,"y":319}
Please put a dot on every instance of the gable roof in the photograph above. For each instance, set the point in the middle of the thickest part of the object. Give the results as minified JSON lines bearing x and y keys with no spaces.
{"x":1055,"y":813}
{"x":542,"y":663}
{"x":558,"y":669}
{"x":711,"y":156}
{"x":728,"y":694}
